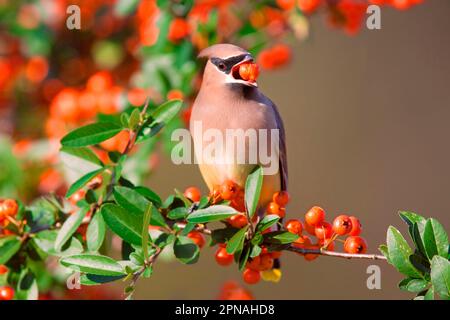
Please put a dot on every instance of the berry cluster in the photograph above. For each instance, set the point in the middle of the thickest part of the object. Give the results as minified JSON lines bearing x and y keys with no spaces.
{"x":327,"y":233}
{"x":6,"y":292}
{"x":8,"y":210}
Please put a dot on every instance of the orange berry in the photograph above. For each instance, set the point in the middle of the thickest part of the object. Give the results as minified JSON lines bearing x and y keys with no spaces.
{"x":223,"y":258}
{"x":310,"y":229}
{"x":36,"y":69}
{"x":342,"y":225}
{"x":308,"y":6}
{"x":137,"y":96}
{"x":274,"y":208}
{"x":193,"y":194}
{"x":311,"y":256}
{"x":294,"y":226}
{"x":6,"y":293}
{"x":249,"y":71}
{"x":281,"y":198}
{"x":95,"y":182}
{"x":315,"y":216}
{"x":3,"y":269}
{"x":254,"y":263}
{"x":117,"y":143}
{"x":286,"y":4}
{"x":251,"y":276}
{"x":355,"y":244}
{"x":65,"y":105}
{"x":9,"y":207}
{"x":175,"y":94}
{"x":356,"y":227}
{"x":323,"y":230}
{"x":197,"y":237}
{"x":179,"y":28}
{"x":302,"y":242}
{"x":266,"y":262}
{"x":238,"y":220}
{"x":100,"y":81}
{"x":229,"y":190}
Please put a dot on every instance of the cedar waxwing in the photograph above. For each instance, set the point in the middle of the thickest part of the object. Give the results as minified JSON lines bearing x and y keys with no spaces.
{"x":226,"y":101}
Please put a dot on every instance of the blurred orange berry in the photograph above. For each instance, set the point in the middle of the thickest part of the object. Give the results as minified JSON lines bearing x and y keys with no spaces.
{"x":36,"y":69}
{"x":175,"y":94}
{"x":178,"y":29}
{"x":137,"y":96}
{"x":100,"y":81}
{"x":117,"y":143}
{"x":286,"y":4}
{"x":274,"y":57}
{"x":65,"y":105}
{"x":308,"y":6}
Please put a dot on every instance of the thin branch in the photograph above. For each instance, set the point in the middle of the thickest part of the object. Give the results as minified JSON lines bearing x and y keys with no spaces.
{"x":344,"y":255}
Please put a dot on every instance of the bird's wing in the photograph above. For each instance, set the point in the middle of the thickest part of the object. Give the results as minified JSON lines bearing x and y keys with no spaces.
{"x":282,"y":150}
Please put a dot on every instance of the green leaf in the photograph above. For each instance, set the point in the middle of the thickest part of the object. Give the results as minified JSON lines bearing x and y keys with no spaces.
{"x":253,"y":187}
{"x":256,"y":251}
{"x":149,"y":194}
{"x":188,"y":228}
{"x":93,"y":279}
{"x":121,"y":222}
{"x":178,"y":213}
{"x":27,"y":288}
{"x":9,"y":245}
{"x":399,"y":252}
{"x":280,"y":237}
{"x":145,"y":224}
{"x":186,"y":250}
{"x":45,"y":241}
{"x":416,"y":230}
{"x":430,"y":294}
{"x":93,"y":264}
{"x":136,"y":203}
{"x":212,"y":213}
{"x":69,"y":227}
{"x":95,"y":233}
{"x":410,"y":217}
{"x":413,"y":285}
{"x":236,"y":243}
{"x":244,"y":258}
{"x":222,"y":235}
{"x":267,"y":222}
{"x":435,"y":239}
{"x":83,"y":153}
{"x":134,"y":119}
{"x":81,"y":182}
{"x":91,"y":134}
{"x":384,"y":250}
{"x":166,"y":111}
{"x":440,"y":276}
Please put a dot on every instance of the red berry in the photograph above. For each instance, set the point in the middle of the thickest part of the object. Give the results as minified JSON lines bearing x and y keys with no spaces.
{"x":310,"y":229}
{"x":197,"y":237}
{"x":251,"y":276}
{"x":294,"y":226}
{"x":324,"y":230}
{"x":355,"y":244}
{"x":77,"y":196}
{"x":342,"y":225}
{"x":223,"y":258}
{"x":6,"y":293}
{"x":238,"y":221}
{"x":274,"y":208}
{"x":3,"y":269}
{"x":281,"y":198}
{"x":193,"y":193}
{"x":254,"y":263}
{"x":356,"y":227}
{"x":315,"y":216}
{"x":9,"y":207}
{"x":266,"y":262}
{"x":276,"y":254}
{"x":249,"y":71}
{"x":229,"y":190}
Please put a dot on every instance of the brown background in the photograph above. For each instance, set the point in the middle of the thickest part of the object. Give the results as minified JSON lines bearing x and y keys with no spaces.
{"x":367,"y":132}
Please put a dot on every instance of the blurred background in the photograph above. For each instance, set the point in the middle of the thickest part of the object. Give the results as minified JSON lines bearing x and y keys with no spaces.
{"x":365,"y":113}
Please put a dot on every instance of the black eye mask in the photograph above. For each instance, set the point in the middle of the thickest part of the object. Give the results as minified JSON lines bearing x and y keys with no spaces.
{"x":225,"y":65}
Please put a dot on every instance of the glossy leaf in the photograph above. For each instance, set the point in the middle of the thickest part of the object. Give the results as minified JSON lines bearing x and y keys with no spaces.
{"x":185,"y":250}
{"x":237,"y":241}
{"x":93,"y":264}
{"x":212,"y":213}
{"x":253,"y":187}
{"x":95,"y":233}
{"x":69,"y":227}
{"x":82,"y":181}
{"x":121,"y":222}
{"x":9,"y":245}
{"x":440,"y":276}
{"x":91,"y":134}
{"x":435,"y":239}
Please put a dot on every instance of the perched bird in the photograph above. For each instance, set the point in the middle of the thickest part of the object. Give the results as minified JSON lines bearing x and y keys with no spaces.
{"x":226,"y":101}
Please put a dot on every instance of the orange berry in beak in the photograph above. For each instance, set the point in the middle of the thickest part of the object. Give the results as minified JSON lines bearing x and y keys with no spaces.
{"x":249,"y":71}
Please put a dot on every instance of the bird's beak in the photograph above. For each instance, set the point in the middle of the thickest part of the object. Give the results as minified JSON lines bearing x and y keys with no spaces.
{"x":235,"y":77}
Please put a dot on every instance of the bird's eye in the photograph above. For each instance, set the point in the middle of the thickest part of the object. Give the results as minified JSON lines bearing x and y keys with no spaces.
{"x":222,"y":66}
